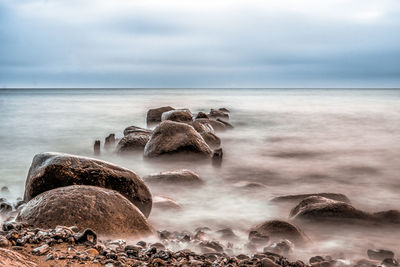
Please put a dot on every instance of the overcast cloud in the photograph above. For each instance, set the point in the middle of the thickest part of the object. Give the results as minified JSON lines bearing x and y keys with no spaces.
{"x":186,"y":43}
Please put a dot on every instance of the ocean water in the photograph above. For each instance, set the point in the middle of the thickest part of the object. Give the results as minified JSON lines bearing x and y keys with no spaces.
{"x":291,"y":140}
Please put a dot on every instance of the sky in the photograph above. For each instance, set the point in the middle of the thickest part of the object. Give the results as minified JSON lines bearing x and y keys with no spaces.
{"x":202,"y":43}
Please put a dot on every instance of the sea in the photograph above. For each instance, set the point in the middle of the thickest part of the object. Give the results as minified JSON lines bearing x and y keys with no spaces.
{"x":293,"y":141}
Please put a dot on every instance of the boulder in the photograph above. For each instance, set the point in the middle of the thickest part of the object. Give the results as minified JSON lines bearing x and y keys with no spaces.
{"x":103,"y":210}
{"x":165,"y":203}
{"x":278,"y":230}
{"x":224,"y":110}
{"x":135,"y":129}
{"x":300,"y":197}
{"x":53,"y":170}
{"x":176,"y":138}
{"x":178,"y":115}
{"x":135,"y":141}
{"x":387,"y":217}
{"x":179,"y":177}
{"x":211,"y":139}
{"x":109,"y":141}
{"x":380,"y":254}
{"x":217,"y":126}
{"x":216,"y":113}
{"x":317,"y":208}
{"x":12,"y":258}
{"x":201,"y":127}
{"x":154,"y":115}
{"x":201,"y":115}
{"x":227,"y":124}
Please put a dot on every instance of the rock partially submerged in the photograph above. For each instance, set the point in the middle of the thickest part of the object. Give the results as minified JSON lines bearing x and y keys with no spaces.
{"x":217,"y":126}
{"x":318,"y":209}
{"x":211,"y":139}
{"x":300,"y":197}
{"x":179,"y":177}
{"x":133,"y":142}
{"x":166,"y":203}
{"x":176,"y":138}
{"x":53,"y":170}
{"x":103,"y":210}
{"x":178,"y":115}
{"x":276,"y":229}
{"x":136,"y":129}
{"x":154,"y":115}
{"x":217,"y":113}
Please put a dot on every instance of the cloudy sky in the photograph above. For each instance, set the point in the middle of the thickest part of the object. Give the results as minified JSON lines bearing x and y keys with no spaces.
{"x":202,"y":43}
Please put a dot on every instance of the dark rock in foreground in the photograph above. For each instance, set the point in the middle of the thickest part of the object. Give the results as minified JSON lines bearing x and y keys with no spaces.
{"x":53,"y":170}
{"x":176,"y":138}
{"x":277,"y":229}
{"x":154,"y":115}
{"x":300,"y":197}
{"x":179,"y":177}
{"x":103,"y":210}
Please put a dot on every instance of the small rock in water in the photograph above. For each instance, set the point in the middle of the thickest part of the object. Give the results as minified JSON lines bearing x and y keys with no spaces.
{"x":258,"y":238}
{"x":390,"y":263}
{"x":201,"y":115}
{"x":41,"y":250}
{"x":380,"y":254}
{"x":109,"y":141}
{"x":5,"y":207}
{"x":96,"y":147}
{"x":217,"y":157}
{"x":283,"y":247}
{"x":5,"y":189}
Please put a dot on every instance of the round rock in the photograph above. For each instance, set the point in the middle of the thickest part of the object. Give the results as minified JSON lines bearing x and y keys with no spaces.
{"x":53,"y":170}
{"x":178,"y":115}
{"x":154,"y":115}
{"x":176,"y":138}
{"x":103,"y":210}
{"x":135,"y":141}
{"x":179,"y":177}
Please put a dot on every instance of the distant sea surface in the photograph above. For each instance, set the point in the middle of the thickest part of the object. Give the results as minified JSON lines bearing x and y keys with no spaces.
{"x":292,"y":140}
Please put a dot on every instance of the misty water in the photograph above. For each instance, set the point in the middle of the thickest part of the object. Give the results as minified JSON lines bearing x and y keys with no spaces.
{"x":291,"y":140}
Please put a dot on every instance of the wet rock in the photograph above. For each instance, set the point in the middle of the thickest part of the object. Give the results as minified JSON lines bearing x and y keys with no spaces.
{"x":201,"y":115}
{"x":165,"y":203}
{"x":227,"y":124}
{"x":227,"y":234}
{"x":266,"y":262}
{"x":215,"y":113}
{"x":178,"y":177}
{"x":211,"y":139}
{"x":4,"y":189}
{"x":250,"y":186}
{"x":283,"y":247}
{"x":85,"y":206}
{"x":170,"y":138}
{"x":133,"y":142}
{"x":217,"y":126}
{"x":316,"y":208}
{"x":43,"y":249}
{"x":201,"y":127}
{"x":135,"y":129}
{"x":277,"y":229}
{"x":366,"y":263}
{"x":11,"y":225}
{"x":4,"y":243}
{"x":258,"y":238}
{"x":216,"y":246}
{"x":390,"y":263}
{"x":380,"y":254}
{"x":158,"y":246}
{"x":96,"y":147}
{"x":178,"y":115}
{"x":5,"y":207}
{"x":52,"y":170}
{"x":387,"y":217}
{"x":224,"y":110}
{"x":298,"y":198}
{"x":109,"y":141}
{"x":217,"y":157}
{"x":87,"y":236}
{"x":12,"y":258}
{"x":154,"y":115}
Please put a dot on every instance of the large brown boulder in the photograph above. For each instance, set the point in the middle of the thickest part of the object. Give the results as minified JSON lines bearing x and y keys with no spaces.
{"x":321,"y":209}
{"x":135,"y":141}
{"x":103,"y":210}
{"x":154,"y":115}
{"x":53,"y":170}
{"x":300,"y":197}
{"x":176,"y":138}
{"x":178,"y":115}
{"x":276,"y":229}
{"x":179,"y":177}
{"x":12,"y":258}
